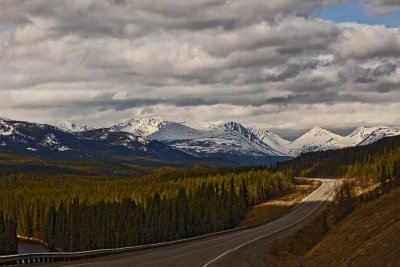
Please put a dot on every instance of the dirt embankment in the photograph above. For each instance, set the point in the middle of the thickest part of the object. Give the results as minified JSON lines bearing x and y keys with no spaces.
{"x":370,"y":236}
{"x":276,"y":207}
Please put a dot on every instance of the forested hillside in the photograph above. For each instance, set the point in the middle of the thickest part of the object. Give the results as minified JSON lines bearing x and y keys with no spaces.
{"x":380,"y":160}
{"x":75,"y":212}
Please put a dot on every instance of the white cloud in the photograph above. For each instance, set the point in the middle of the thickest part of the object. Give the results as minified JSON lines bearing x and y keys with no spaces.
{"x":382,"y":7}
{"x":258,"y":62}
{"x":366,"y":41}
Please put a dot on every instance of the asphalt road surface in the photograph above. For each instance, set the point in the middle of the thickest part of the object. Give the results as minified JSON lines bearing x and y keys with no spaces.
{"x":215,"y":250}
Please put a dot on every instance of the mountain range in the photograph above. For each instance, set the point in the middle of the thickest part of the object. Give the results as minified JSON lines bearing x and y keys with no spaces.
{"x":199,"y":138}
{"x":156,"y":140}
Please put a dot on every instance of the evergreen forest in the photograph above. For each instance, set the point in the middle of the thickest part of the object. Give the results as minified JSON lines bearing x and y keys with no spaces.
{"x":72,"y":212}
{"x":379,"y":161}
{"x":8,"y":236}
{"x":95,"y":205}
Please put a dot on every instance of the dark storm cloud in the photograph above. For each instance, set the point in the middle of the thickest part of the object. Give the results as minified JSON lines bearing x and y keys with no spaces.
{"x":105,"y":102}
{"x":291,"y":71}
{"x":360,"y":74}
{"x":316,"y":98}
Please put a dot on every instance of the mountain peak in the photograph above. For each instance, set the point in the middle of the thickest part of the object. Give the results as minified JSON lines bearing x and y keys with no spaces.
{"x":317,"y":129}
{"x":202,"y":125}
{"x":315,"y":138}
{"x":361,"y":133}
{"x":376,"y":133}
{"x":232,"y":125}
{"x":69,"y":126}
{"x":271,"y":139}
{"x":4,"y":119}
{"x":5,"y":127}
{"x":141,"y":126}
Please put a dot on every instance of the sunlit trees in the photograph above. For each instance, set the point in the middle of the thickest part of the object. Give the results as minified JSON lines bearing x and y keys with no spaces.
{"x":78,"y":212}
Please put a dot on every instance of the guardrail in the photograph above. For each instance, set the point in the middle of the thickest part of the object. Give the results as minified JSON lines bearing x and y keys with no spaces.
{"x":34,"y":258}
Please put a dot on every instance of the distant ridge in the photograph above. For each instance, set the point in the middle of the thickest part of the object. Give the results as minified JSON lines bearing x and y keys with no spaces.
{"x":230,"y":141}
{"x":72,"y":127}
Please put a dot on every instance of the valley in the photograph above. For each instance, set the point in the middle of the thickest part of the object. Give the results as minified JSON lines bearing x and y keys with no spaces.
{"x":232,"y":133}
{"x":175,"y":183}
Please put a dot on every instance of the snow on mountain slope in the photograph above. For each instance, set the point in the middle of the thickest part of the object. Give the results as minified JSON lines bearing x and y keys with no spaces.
{"x":272,"y":140}
{"x":4,"y":119}
{"x":6,"y":128}
{"x":197,"y":138}
{"x":202,"y":125}
{"x":229,"y":137}
{"x":50,"y":142}
{"x":379,"y":133}
{"x":114,"y":137}
{"x":140,"y":126}
{"x":318,"y":139}
{"x":176,"y":131}
{"x":357,"y":136}
{"x":315,"y":140}
{"x":72,"y":127}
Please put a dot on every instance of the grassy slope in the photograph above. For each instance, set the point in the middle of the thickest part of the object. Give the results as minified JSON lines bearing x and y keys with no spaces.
{"x":276,"y":207}
{"x":368,"y":237}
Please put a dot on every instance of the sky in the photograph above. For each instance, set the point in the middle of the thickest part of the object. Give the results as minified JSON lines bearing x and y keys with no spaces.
{"x":285,"y":65}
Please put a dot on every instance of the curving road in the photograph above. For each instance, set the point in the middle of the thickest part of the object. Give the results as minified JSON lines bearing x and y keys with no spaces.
{"x":214,"y":250}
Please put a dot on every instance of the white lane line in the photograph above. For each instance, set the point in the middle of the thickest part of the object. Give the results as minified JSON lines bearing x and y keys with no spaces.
{"x":74,"y":265}
{"x":285,"y":217}
{"x":302,"y":203}
{"x":311,"y":196}
{"x":251,"y":241}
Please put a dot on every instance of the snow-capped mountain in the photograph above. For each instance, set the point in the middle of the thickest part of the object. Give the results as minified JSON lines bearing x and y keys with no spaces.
{"x":361,"y":133}
{"x":114,"y":137}
{"x":231,"y":141}
{"x":175,"y":131}
{"x":202,"y":125}
{"x":357,"y":136}
{"x":72,"y":127}
{"x":318,"y":139}
{"x":140,"y":126}
{"x":50,"y":142}
{"x":315,"y":140}
{"x":154,"y":137}
{"x":201,"y":138}
{"x":379,"y":133}
{"x":272,"y":140}
{"x":5,"y":127}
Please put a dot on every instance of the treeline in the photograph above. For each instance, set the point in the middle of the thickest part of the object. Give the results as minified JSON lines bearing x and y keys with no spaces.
{"x":75,"y":213}
{"x":8,"y":236}
{"x":380,"y":160}
{"x":80,"y":226}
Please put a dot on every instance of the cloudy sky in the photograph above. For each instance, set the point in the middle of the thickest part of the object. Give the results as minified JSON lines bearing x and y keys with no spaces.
{"x":280,"y":64}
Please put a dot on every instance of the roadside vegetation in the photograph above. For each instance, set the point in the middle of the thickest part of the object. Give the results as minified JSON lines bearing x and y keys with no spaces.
{"x":364,"y":231}
{"x":362,"y":220}
{"x":372,"y":163}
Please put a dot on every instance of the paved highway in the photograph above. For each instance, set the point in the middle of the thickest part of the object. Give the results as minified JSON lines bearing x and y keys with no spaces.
{"x":212,"y":250}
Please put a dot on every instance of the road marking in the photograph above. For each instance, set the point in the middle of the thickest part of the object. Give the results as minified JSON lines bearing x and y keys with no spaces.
{"x":74,"y":265}
{"x":283,"y":218}
{"x":251,"y":241}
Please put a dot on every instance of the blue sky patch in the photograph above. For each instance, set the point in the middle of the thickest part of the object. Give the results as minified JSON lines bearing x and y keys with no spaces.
{"x":354,"y":11}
